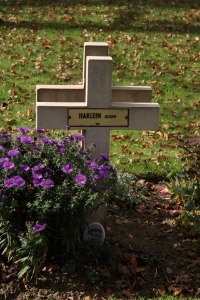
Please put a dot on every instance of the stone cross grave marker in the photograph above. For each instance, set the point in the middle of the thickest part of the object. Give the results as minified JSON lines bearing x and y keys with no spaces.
{"x":96,"y":107}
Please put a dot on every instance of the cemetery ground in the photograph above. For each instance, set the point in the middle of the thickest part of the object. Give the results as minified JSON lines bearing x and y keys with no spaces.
{"x":145,"y":255}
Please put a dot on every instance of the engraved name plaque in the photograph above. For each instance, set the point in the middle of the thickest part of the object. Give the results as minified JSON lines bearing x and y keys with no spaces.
{"x":97,"y":117}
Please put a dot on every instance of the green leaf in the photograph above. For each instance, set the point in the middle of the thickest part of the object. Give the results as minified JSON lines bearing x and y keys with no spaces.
{"x":23,"y":271}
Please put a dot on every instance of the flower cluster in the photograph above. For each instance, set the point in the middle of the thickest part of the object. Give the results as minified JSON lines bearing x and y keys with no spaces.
{"x":50,"y":183}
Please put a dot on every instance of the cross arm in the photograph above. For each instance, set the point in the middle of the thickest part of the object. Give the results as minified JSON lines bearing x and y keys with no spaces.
{"x":60,"y":93}
{"x":131,"y":94}
{"x":54,"y":115}
{"x":142,"y":116}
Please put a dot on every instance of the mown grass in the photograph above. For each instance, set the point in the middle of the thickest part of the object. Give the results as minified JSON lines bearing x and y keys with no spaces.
{"x":151,"y":43}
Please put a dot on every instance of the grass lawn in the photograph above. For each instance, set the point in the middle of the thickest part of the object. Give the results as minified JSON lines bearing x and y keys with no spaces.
{"x":151,"y":43}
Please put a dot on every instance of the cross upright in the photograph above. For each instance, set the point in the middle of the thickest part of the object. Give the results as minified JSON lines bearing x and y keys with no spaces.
{"x":96,"y":107}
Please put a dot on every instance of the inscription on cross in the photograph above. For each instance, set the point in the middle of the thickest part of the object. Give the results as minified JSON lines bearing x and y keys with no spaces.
{"x":96,"y":106}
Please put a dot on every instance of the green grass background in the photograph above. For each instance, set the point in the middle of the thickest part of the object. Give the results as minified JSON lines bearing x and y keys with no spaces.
{"x":152,"y":42}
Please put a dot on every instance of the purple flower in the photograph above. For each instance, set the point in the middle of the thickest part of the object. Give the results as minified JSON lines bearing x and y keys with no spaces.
{"x":37,"y":176}
{"x":18,"y":181}
{"x":105,"y":170}
{"x":23,"y":129}
{"x":38,"y":227}
{"x":80,"y":179}
{"x":13,"y":152}
{"x":37,"y":179}
{"x":8,"y":165}
{"x":47,"y":183}
{"x":76,"y":137}
{"x":5,"y":135}
{"x":62,"y":150}
{"x":1,"y":148}
{"x":38,"y":167}
{"x":94,"y":166}
{"x":40,"y":130}
{"x":24,"y":168}
{"x":25,"y":139}
{"x":95,"y":177}
{"x":4,"y":159}
{"x":105,"y":157}
{"x":46,"y":140}
{"x":36,"y":182}
{"x":67,"y":168}
{"x":57,"y":143}
{"x":8,"y":182}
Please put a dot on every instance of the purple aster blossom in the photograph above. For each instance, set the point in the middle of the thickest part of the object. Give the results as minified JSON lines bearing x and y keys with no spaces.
{"x":96,"y":177}
{"x":39,"y":227}
{"x":8,"y":165}
{"x":57,"y":143}
{"x":62,"y":150}
{"x":23,"y":129}
{"x":40,"y":130}
{"x":5,"y":135}
{"x":47,"y":183}
{"x":1,"y":148}
{"x":24,"y":168}
{"x":13,"y":152}
{"x":105,"y":157}
{"x":67,"y":168}
{"x":76,"y":137}
{"x":36,"y":182}
{"x":37,"y":179}
{"x":18,"y":181}
{"x":4,"y":159}
{"x":25,"y":139}
{"x":37,"y":176}
{"x":80,"y":179}
{"x":103,"y":171}
{"x":68,"y":127}
{"x":8,"y":182}
{"x":88,"y":162}
{"x":46,"y":140}
{"x":94,"y":166}
{"x":38,"y":167}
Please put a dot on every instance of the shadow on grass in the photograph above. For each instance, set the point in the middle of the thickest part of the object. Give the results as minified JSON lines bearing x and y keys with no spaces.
{"x":134,"y":17}
{"x":119,"y":24}
{"x":135,"y":3}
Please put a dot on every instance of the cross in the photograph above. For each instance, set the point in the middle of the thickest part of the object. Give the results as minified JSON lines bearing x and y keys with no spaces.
{"x":96,"y":107}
